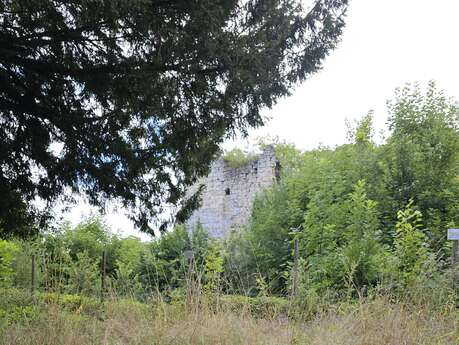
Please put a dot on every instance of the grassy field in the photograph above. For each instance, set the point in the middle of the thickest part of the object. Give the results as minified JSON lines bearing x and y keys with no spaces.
{"x":72,"y":320}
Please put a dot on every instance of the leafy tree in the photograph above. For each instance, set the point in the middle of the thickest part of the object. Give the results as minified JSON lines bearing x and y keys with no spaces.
{"x":341,"y":241}
{"x":269,"y":240}
{"x":128,"y":255}
{"x":94,"y":237}
{"x":363,"y":132}
{"x":129,"y":99}
{"x":362,"y":253}
{"x":162,"y":267}
{"x":91,"y":236}
{"x":421,"y":159}
{"x":130,"y":250}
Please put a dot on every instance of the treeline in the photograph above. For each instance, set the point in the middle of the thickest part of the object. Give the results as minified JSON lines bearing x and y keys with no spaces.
{"x":367,"y":216}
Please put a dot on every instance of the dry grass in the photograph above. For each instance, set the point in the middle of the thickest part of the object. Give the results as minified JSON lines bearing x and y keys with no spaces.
{"x":383,"y":323}
{"x":374,"y":323}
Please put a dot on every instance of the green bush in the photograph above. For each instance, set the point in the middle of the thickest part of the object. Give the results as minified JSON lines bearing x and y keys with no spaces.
{"x":7,"y":252}
{"x":73,"y":303}
{"x":20,"y":314}
{"x":15,"y":298}
{"x":18,"y":306}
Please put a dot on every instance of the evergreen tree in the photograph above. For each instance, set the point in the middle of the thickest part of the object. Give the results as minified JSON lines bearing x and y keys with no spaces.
{"x":129,"y":99}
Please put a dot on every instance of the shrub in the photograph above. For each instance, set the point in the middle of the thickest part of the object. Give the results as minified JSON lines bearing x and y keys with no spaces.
{"x":19,"y":314}
{"x":15,"y":298}
{"x":73,"y":303}
{"x":7,"y":251}
{"x":18,"y":306}
{"x":410,"y":243}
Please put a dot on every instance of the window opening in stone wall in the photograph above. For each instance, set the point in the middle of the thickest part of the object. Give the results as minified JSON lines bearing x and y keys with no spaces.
{"x":255,"y":170}
{"x":227,"y":191}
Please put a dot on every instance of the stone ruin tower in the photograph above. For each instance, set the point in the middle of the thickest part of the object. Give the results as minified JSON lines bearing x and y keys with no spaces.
{"x":229,"y":192}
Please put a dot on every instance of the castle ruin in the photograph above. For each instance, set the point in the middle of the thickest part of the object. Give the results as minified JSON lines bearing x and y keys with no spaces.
{"x":229,"y":193}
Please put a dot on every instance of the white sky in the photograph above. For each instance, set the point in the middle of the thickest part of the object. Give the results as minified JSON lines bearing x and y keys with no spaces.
{"x":386,"y":43}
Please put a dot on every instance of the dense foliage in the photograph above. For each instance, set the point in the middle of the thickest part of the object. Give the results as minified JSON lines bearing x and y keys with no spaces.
{"x":367,"y":217}
{"x":130,"y":99}
{"x":364,"y":213}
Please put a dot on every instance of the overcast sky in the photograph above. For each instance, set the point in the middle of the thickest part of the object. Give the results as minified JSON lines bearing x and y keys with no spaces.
{"x":386,"y":43}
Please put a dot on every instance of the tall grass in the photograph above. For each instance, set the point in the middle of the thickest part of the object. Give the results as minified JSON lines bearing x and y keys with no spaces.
{"x":68,"y":320}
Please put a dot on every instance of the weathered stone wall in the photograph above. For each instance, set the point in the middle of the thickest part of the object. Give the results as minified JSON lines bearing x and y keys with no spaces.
{"x":229,"y":193}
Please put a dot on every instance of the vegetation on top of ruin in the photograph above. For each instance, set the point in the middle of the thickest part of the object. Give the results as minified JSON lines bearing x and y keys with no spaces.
{"x":237,"y":158}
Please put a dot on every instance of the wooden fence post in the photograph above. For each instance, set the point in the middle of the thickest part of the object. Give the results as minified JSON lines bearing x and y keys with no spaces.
{"x":32,"y":285}
{"x":102,"y":276}
{"x":454,"y":262}
{"x":190,"y":284}
{"x":453,"y":235}
{"x":295,"y":268}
